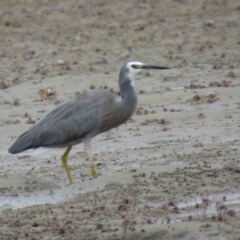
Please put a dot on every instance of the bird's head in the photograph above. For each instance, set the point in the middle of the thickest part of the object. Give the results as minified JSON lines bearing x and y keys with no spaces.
{"x":131,"y":68}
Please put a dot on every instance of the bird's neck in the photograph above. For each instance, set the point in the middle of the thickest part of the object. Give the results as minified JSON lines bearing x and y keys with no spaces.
{"x":129,"y":96}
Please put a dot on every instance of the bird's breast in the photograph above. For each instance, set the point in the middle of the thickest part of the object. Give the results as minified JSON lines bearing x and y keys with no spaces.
{"x":114,"y":115}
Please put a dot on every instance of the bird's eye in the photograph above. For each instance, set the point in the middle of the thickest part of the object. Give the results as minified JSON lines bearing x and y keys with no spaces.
{"x":134,"y":66}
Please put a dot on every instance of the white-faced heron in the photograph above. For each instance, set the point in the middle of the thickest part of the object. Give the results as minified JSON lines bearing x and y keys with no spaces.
{"x":83,"y":117}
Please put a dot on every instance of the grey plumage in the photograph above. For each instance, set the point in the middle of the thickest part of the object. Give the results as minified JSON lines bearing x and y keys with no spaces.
{"x":69,"y":122}
{"x":83,"y":117}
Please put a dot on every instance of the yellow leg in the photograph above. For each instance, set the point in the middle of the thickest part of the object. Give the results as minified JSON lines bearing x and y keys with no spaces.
{"x":65,"y":165}
{"x":87,"y":145}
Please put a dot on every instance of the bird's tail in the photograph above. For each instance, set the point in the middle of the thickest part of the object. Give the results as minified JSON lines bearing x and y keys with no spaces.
{"x":23,"y":143}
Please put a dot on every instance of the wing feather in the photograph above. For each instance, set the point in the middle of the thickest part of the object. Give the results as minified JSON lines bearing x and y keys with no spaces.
{"x":68,"y":122}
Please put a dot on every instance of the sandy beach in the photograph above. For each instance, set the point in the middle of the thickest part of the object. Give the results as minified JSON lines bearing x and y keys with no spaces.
{"x":173,"y":170}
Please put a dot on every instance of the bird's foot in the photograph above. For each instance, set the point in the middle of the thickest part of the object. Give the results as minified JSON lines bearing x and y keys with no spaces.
{"x":93,"y":171}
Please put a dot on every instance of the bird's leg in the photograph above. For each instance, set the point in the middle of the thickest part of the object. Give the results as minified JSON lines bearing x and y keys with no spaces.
{"x":87,"y":145}
{"x":65,"y":165}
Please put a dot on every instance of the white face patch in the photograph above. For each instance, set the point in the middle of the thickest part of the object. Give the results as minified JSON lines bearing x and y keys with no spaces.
{"x":133,"y":71}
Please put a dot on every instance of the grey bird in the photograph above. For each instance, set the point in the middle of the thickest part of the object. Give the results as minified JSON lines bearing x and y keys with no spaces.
{"x":83,"y":117}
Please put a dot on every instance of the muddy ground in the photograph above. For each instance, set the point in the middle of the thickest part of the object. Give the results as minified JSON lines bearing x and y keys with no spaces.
{"x":172,"y":171}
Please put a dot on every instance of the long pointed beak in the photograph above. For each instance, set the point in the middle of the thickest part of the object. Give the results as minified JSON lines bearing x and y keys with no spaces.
{"x":152,"y":67}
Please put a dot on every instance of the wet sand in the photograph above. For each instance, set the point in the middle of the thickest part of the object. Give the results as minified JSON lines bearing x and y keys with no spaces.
{"x":172,"y":171}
